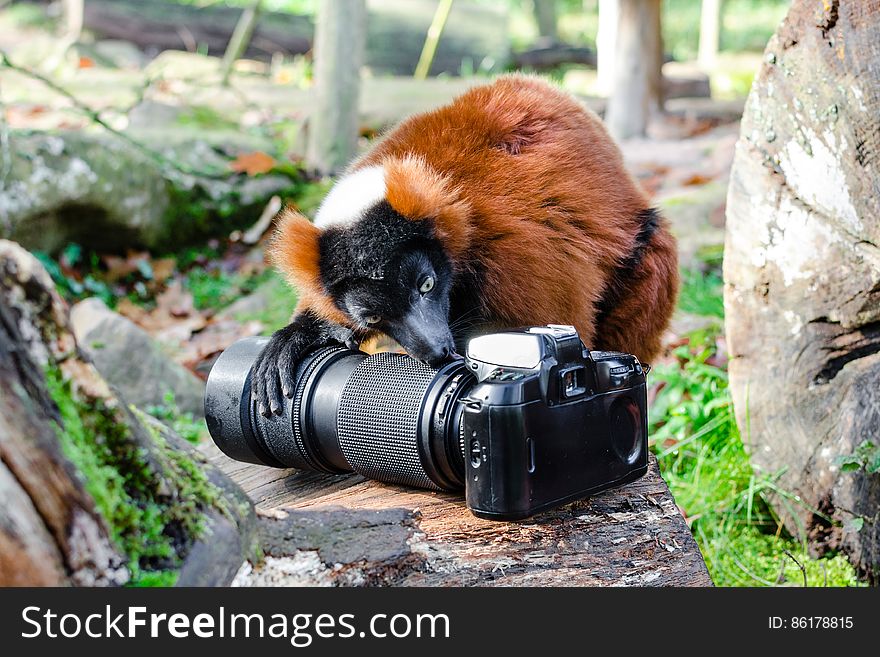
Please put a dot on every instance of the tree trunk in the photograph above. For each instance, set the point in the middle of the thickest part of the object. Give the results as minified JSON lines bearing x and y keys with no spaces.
{"x":710,"y":33}
{"x":636,"y":87}
{"x":545,"y":16}
{"x":241,"y":38}
{"x":802,"y":273}
{"x":90,"y":485}
{"x":340,"y":34}
{"x":73,"y":20}
{"x":606,"y":46}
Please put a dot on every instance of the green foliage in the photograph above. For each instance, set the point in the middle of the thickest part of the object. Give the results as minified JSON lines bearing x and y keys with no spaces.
{"x":694,"y":434}
{"x":216,"y":288}
{"x":866,"y":456}
{"x":183,"y":424}
{"x":152,"y":527}
{"x":747,"y":25}
{"x":70,"y":288}
{"x":701,"y":293}
{"x":280,"y":302}
{"x":300,"y":7}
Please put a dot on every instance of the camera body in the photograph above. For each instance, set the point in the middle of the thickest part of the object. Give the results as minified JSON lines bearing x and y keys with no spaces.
{"x":549,"y":422}
{"x":528,"y":421}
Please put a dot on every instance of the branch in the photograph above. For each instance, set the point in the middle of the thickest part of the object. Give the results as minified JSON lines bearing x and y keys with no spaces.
{"x":166,"y":163}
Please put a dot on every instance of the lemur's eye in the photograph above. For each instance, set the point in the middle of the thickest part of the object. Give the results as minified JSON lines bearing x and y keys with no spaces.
{"x":427,"y":285}
{"x":372,"y":319}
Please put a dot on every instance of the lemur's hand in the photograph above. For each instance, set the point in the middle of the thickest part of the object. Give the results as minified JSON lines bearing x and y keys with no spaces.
{"x":274,"y":368}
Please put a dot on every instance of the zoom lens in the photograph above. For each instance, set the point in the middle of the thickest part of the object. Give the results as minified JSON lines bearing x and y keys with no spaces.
{"x":385,"y":416}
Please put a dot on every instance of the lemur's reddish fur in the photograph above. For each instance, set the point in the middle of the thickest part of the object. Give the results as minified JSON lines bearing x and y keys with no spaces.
{"x":524,"y":183}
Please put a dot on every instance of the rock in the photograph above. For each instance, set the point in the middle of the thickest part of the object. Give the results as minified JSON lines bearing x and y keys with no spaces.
{"x":802,"y":273}
{"x":685,"y":80}
{"x":131,"y":361}
{"x":95,"y":492}
{"x":82,"y":188}
{"x":104,"y":193}
{"x":116,"y":53}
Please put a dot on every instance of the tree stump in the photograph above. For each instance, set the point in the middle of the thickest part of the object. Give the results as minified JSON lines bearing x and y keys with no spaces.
{"x":96,"y":493}
{"x":345,"y":530}
{"x":802,"y":271}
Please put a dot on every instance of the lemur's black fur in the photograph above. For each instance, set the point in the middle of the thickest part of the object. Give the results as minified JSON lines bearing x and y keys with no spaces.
{"x":374,"y":264}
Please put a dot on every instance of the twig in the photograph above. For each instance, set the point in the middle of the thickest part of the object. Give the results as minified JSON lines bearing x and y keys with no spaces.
{"x":95,"y":117}
{"x":433,"y":38}
{"x":799,"y":565}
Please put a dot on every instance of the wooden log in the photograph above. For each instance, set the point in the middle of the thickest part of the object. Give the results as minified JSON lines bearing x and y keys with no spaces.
{"x":345,"y":530}
{"x":77,"y":465}
{"x":156,"y":25}
{"x":48,"y":522}
{"x":802,"y":272}
{"x":544,"y":57}
{"x":476,"y":37}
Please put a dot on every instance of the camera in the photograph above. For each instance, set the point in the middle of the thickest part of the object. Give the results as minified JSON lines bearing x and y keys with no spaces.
{"x":529,"y":420}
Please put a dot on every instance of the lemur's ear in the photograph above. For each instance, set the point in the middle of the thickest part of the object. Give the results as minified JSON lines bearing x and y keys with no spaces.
{"x":295,"y":252}
{"x":418,"y":192}
{"x":294,"y":249}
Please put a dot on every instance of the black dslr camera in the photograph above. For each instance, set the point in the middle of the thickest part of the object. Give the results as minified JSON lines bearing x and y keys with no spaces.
{"x":530,"y":420}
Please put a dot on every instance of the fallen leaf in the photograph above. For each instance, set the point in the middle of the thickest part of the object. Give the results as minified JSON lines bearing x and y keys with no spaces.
{"x":86,"y":62}
{"x":174,"y":319}
{"x":163,"y":268}
{"x":253,"y":164}
{"x":696,"y":179}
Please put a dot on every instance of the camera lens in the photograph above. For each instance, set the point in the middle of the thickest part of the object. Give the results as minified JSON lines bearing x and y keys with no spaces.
{"x":625,"y":421}
{"x":386,"y":416}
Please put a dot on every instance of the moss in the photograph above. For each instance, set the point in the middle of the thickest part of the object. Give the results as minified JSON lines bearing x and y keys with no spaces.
{"x":154,"y":527}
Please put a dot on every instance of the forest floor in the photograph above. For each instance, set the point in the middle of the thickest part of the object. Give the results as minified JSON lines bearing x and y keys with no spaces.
{"x":196,"y":300}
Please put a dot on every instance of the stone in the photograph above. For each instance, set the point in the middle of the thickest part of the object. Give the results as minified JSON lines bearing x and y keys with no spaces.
{"x":802,"y":274}
{"x":131,"y":361}
{"x":106,"y":194}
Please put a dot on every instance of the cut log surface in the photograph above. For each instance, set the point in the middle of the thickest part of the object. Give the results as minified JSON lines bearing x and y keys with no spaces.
{"x":346,"y":530}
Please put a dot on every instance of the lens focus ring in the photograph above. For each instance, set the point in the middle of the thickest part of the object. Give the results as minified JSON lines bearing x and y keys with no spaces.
{"x":379,"y":417}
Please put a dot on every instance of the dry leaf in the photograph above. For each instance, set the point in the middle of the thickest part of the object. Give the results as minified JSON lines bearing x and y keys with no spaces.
{"x":163,"y":268}
{"x":696,"y":179}
{"x":253,"y":163}
{"x":86,"y":62}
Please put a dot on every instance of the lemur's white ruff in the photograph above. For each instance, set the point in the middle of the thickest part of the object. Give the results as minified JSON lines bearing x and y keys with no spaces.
{"x":351,"y":197}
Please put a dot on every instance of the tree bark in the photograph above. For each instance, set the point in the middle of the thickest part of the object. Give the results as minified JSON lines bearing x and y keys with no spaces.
{"x":637,"y":83}
{"x":802,"y":272}
{"x":344,"y":530}
{"x":53,"y":527}
{"x":340,"y":36}
{"x":545,"y":16}
{"x":710,"y":33}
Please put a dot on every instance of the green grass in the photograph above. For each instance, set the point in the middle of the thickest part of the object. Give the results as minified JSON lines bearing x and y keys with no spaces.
{"x":694,"y":434}
{"x":216,"y":288}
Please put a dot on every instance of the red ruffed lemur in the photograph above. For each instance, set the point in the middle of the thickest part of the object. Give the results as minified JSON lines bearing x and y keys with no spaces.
{"x":508,"y":207}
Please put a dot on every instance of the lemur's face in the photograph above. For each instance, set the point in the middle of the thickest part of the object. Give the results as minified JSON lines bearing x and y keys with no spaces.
{"x":410,"y":303}
{"x":390,"y":274}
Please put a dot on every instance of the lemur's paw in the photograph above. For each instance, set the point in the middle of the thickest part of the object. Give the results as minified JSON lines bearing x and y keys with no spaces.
{"x":273,"y":371}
